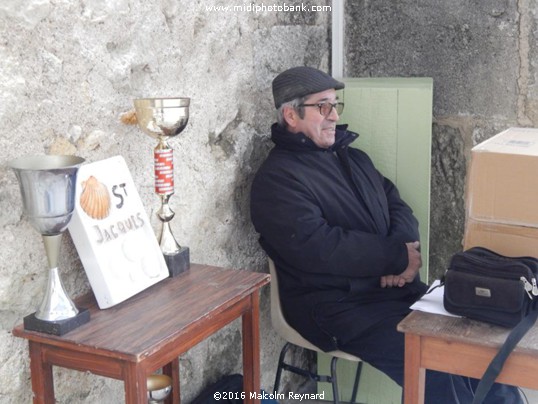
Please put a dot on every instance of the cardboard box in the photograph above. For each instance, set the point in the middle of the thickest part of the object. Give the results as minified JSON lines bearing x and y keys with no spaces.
{"x":503,"y":179}
{"x":509,"y":240}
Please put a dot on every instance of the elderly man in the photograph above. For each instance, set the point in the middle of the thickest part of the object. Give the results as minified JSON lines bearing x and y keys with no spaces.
{"x":345,"y":245}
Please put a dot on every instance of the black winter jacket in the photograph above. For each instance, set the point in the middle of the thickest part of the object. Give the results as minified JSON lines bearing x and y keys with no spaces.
{"x":333,"y":225}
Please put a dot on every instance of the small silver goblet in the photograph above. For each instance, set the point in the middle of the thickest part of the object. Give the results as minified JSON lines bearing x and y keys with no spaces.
{"x":159,"y":388}
{"x":47,"y":185}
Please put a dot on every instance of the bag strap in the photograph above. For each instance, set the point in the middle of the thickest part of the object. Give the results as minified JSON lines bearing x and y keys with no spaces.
{"x":497,"y":363}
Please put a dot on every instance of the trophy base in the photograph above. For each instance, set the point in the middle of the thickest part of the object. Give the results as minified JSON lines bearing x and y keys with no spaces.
{"x":179,"y":262}
{"x":60,"y":327}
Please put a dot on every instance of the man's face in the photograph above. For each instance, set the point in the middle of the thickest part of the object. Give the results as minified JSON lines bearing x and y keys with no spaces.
{"x":320,"y":129}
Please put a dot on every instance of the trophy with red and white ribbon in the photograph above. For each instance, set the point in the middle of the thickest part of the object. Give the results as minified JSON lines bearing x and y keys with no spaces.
{"x":163,"y":118}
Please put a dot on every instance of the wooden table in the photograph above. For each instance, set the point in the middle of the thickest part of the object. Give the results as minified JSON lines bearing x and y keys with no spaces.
{"x":151,"y":330}
{"x":463,"y":347}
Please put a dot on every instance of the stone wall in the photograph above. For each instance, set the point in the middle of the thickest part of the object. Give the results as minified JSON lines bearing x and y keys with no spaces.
{"x":482,"y":56}
{"x":69,"y":69}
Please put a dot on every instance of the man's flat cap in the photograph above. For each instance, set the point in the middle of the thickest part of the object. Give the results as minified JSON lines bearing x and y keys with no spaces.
{"x":301,"y":81}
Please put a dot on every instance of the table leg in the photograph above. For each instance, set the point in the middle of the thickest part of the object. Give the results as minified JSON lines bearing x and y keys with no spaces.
{"x":251,"y":350}
{"x":414,"y":374}
{"x":135,"y":384}
{"x":41,"y":374}
{"x":172,"y":370}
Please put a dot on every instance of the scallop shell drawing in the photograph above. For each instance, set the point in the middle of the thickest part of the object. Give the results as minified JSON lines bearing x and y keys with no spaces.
{"x":95,"y":199}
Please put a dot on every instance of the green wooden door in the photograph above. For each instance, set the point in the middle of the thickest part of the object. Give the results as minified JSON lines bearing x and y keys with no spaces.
{"x":393,"y":117}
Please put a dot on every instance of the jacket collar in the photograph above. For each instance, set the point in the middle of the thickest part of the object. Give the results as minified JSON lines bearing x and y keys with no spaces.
{"x":284,"y":139}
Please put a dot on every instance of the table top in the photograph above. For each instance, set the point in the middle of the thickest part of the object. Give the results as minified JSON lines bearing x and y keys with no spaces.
{"x":138,"y":326}
{"x":465,"y":331}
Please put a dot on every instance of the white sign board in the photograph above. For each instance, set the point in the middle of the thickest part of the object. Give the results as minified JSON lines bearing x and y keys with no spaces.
{"x":113,"y":234}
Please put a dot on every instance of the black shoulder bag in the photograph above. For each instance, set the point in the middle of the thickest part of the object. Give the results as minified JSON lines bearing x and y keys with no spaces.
{"x":483,"y":285}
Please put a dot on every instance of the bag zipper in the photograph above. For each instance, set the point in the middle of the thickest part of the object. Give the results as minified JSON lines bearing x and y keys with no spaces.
{"x":530,"y":287}
{"x":505,"y":273}
{"x":530,"y":262}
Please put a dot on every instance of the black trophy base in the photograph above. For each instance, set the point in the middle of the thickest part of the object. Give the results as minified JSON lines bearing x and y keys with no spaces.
{"x":179,"y":262}
{"x":60,"y":327}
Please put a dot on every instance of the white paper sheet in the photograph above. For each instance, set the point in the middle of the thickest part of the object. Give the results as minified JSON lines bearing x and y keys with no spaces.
{"x":433,"y":302}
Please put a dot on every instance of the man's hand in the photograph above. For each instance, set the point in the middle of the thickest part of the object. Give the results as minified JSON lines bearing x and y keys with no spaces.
{"x":414,"y":263}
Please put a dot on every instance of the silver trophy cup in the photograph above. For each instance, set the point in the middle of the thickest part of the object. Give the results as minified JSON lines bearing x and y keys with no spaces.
{"x":47,"y":185}
{"x":162,"y":119}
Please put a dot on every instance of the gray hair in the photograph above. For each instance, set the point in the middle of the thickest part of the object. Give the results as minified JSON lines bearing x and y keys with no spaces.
{"x":295,"y":104}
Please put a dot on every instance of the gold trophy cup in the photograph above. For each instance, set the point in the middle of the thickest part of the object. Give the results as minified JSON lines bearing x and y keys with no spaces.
{"x":162,"y":119}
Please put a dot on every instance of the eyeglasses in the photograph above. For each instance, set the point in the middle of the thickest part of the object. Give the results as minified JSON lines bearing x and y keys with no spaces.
{"x":325,"y":108}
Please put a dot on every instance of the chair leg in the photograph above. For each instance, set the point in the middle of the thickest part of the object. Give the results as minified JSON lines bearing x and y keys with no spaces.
{"x":280,"y":366}
{"x":314,"y":376}
{"x":356,"y":382}
{"x":334,"y":380}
